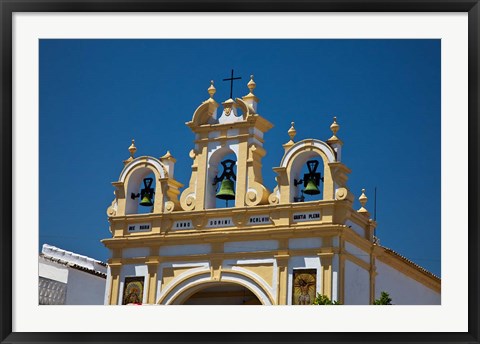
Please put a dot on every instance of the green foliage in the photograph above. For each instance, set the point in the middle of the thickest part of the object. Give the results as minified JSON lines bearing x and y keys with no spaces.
{"x":324,"y":300}
{"x":321,"y":299}
{"x":383,"y":300}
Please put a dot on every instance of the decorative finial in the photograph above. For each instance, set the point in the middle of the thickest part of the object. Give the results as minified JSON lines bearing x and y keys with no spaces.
{"x":292,"y":132}
{"x":211,"y":89}
{"x":250,"y":98}
{"x":334,"y":128}
{"x":363,"y":198}
{"x":168,"y":156}
{"x":363,"y":201}
{"x":251,"y":84}
{"x":132,"y":149}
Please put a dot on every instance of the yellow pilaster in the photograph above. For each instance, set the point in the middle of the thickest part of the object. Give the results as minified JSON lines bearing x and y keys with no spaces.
{"x":201,"y":179}
{"x":120,"y":197}
{"x":241,"y":187}
{"x":282,"y":290}
{"x":115,"y":284}
{"x":152,"y":281}
{"x":326,"y":262}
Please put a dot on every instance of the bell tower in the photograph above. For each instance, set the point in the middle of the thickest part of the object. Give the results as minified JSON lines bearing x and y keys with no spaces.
{"x":238,"y":131}
{"x":283,"y":247}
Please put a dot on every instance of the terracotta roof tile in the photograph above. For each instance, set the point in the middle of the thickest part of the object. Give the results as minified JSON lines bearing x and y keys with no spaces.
{"x":74,"y":266}
{"x":409,"y":262}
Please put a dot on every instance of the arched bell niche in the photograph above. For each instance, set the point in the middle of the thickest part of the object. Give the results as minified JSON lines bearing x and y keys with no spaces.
{"x":134,"y":176}
{"x":308,"y":178}
{"x":215,"y":171}
{"x":300,"y":172}
{"x":134,"y":194}
{"x":295,"y":161}
{"x":145,"y":194}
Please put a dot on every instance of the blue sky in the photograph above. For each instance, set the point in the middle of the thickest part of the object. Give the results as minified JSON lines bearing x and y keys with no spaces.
{"x":96,"y":95}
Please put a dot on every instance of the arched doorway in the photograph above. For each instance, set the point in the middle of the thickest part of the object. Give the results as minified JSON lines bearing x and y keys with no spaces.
{"x":223,"y":294}
{"x":179,"y":292}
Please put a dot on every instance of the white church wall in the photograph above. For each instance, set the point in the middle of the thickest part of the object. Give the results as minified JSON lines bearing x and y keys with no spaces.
{"x":84,"y":288}
{"x":402,"y":289}
{"x":233,"y":132}
{"x":335,"y":271}
{"x":335,"y":241}
{"x":356,"y":228}
{"x":357,"y":285}
{"x":354,"y":250}
{"x":130,"y":271}
{"x":258,"y":132}
{"x":180,"y":250}
{"x":135,"y":252}
{"x":250,"y":246}
{"x":108,"y":283}
{"x":304,"y":243}
{"x":302,"y":263}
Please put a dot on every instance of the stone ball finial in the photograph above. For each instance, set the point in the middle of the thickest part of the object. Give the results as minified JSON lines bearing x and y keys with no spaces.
{"x":132,"y":149}
{"x":211,"y":89}
{"x":292,"y":132}
{"x":251,"y":84}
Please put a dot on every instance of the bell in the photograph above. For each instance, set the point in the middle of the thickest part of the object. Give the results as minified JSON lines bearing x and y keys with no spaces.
{"x":226,"y":191}
{"x":311,"y":188}
{"x":147,"y":193}
{"x":146,"y":200}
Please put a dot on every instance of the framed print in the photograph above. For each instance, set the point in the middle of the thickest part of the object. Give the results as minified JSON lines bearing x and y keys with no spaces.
{"x":87,"y":83}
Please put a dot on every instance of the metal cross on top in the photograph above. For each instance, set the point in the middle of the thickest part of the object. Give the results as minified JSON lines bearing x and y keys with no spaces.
{"x":231,"y":82}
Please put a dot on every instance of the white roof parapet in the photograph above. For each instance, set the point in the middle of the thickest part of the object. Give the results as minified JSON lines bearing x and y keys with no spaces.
{"x":74,"y":258}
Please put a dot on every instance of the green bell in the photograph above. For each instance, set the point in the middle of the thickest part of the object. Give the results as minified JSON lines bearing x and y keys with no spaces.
{"x":146,"y":200}
{"x":227,"y":190}
{"x":146,"y":194}
{"x":311,"y":188}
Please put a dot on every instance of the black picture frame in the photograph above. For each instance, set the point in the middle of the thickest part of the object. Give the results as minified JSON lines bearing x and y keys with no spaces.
{"x":8,"y":7}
